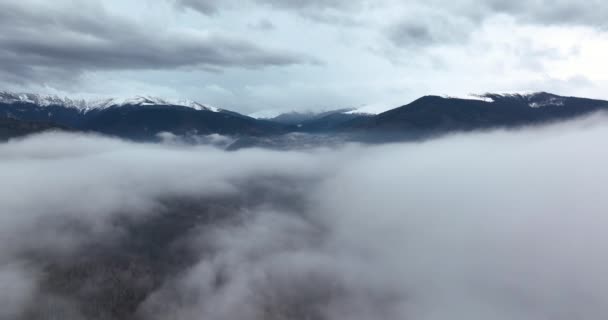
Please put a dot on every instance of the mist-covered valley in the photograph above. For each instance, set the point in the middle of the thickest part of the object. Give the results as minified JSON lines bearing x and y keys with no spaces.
{"x":498,"y":224}
{"x":303,"y":160}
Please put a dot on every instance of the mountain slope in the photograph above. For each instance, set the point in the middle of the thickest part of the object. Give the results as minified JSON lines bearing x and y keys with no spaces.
{"x":143,"y":123}
{"x":330,"y":122}
{"x":441,"y":114}
{"x":295,"y":118}
{"x":143,"y":118}
{"x":140,"y":118}
{"x":12,"y":128}
{"x":313,"y":122}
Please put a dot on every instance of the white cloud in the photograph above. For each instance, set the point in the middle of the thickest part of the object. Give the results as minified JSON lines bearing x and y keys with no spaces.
{"x":494,"y":225}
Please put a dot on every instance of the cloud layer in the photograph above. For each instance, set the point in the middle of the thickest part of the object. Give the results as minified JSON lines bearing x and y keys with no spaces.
{"x":495,"y":225}
{"x":45,"y":43}
{"x":261,"y":55}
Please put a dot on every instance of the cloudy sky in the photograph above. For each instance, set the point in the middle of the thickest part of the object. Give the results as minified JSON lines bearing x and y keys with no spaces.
{"x":255,"y":55}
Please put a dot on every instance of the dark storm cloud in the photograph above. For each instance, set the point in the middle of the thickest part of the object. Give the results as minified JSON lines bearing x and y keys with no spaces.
{"x":42,"y":43}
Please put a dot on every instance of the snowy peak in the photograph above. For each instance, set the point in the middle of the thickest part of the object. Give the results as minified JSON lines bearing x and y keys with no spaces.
{"x":96,"y":104}
{"x":149,"y":101}
{"x":371,"y":109}
{"x":543,"y":99}
{"x":40,"y":100}
{"x":533,"y":100}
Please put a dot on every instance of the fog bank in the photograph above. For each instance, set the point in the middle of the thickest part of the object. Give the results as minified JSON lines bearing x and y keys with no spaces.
{"x":492,"y":225}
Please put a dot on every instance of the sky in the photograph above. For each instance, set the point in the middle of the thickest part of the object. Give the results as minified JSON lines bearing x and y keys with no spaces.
{"x":254,"y":56}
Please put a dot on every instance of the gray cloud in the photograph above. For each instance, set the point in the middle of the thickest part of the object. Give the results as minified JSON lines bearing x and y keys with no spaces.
{"x":423,"y":231}
{"x":424,"y":23}
{"x":58,"y":42}
{"x":439,"y":22}
{"x":75,"y":221}
{"x":263,"y":25}
{"x":561,"y":12}
{"x":207,"y":7}
{"x":323,"y":11}
{"x":18,"y":286}
{"x":213,"y":6}
{"x":315,"y":4}
{"x":426,"y":28}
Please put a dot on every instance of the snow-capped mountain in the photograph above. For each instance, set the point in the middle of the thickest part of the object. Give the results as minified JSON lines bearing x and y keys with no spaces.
{"x":278,"y":114}
{"x":432,"y":114}
{"x":371,"y":109}
{"x":97,"y":104}
{"x":533,"y":100}
{"x":41,"y":100}
{"x":143,"y":118}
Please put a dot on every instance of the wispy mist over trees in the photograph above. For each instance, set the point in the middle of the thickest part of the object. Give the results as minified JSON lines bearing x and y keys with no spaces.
{"x":494,"y":225}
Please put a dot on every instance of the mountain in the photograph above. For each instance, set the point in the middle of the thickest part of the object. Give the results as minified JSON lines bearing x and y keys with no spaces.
{"x":12,"y":128}
{"x":317,"y":121}
{"x":435,"y":114}
{"x":143,"y":118}
{"x":139,"y":118}
{"x":96,"y":104}
{"x":295,"y":118}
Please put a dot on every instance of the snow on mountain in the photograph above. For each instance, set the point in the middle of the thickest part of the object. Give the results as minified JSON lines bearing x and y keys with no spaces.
{"x":374,"y":108}
{"x":303,"y":115}
{"x":478,"y":97}
{"x":41,"y":100}
{"x":95,"y":104}
{"x":267,"y":114}
{"x":532,"y":99}
{"x":552,"y":102}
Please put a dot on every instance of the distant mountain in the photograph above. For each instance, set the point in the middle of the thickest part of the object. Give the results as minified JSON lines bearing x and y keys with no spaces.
{"x":143,"y":118}
{"x":139,"y":118}
{"x":317,"y":121}
{"x":12,"y":128}
{"x":435,"y":114}
{"x":295,"y":118}
{"x":144,"y":123}
{"x":96,"y":104}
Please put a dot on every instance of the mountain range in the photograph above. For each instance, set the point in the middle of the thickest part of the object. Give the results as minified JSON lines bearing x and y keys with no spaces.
{"x":143,"y":118}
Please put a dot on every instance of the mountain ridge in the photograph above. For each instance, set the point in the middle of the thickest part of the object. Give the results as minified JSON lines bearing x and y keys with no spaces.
{"x":143,"y":118}
{"x":487,"y":110}
{"x":86,"y":105}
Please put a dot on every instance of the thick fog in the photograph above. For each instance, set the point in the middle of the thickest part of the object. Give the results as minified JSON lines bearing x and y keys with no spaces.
{"x":491,"y":225}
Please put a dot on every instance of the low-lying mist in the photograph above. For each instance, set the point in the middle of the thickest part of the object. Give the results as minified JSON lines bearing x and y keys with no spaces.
{"x":492,"y":225}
